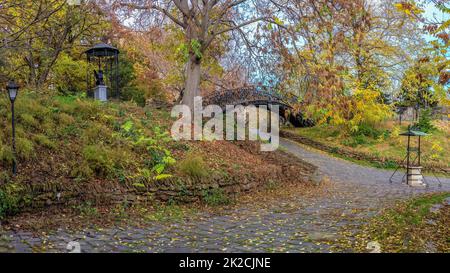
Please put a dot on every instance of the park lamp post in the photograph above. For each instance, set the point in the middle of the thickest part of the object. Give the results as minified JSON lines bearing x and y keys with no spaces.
{"x":13,"y":90}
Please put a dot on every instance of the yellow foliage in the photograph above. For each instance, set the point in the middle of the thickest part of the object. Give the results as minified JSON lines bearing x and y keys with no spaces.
{"x":368,"y":109}
{"x":350,"y":112}
{"x":436,"y":149}
{"x":409,"y":8}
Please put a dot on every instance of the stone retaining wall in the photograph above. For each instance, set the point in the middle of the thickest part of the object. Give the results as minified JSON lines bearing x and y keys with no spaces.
{"x":191,"y":190}
{"x":183,"y":189}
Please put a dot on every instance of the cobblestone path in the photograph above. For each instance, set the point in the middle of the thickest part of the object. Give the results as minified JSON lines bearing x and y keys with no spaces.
{"x":296,"y":224}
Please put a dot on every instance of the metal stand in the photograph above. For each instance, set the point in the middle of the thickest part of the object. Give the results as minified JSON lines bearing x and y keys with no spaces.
{"x":413,"y":165}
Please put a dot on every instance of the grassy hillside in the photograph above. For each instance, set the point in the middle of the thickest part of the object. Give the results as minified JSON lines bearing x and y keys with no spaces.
{"x":72,"y":148}
{"x":70,"y":140}
{"x":79,"y":137}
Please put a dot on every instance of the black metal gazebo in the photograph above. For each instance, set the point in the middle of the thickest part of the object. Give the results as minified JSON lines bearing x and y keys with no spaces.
{"x":104,"y":61}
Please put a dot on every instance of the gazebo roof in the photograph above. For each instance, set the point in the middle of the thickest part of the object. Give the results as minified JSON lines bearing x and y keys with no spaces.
{"x":414,"y":133}
{"x":102,"y":50}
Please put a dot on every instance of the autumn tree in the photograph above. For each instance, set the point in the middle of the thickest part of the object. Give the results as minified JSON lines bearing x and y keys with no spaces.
{"x":437,"y":58}
{"x":38,"y":32}
{"x":418,"y":85}
{"x":339,"y":56}
{"x":202,"y":22}
{"x":15,"y":24}
{"x":159,"y":56}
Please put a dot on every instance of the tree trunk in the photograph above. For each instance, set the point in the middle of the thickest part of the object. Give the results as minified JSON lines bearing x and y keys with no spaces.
{"x":192,"y":84}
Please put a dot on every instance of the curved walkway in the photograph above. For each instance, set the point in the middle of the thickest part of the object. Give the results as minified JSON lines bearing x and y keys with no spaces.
{"x":297,"y":224}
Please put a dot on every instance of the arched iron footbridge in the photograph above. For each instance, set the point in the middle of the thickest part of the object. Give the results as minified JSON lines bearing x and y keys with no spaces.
{"x":258,"y":95}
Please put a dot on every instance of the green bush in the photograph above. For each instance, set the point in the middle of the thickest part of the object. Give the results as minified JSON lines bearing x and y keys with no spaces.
{"x":69,"y":75}
{"x":355,"y":141}
{"x":71,"y":130}
{"x":65,"y":119}
{"x":87,"y":209}
{"x":4,"y":178}
{"x":368,"y":131}
{"x":98,"y":160}
{"x":134,"y":89}
{"x":96,"y":133}
{"x":155,"y":90}
{"x":216,"y":197}
{"x":365,"y":135}
{"x":28,"y":121}
{"x":6,"y":154}
{"x":9,"y":202}
{"x":155,"y":157}
{"x":86,"y":109}
{"x":44,"y":141}
{"x":425,"y":122}
{"x":25,"y":148}
{"x":82,"y":171}
{"x":132,"y":93}
{"x":103,"y":161}
{"x":193,"y":166}
{"x":30,"y":104}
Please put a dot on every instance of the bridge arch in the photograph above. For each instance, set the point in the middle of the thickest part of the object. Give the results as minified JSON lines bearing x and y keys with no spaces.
{"x":257,"y":96}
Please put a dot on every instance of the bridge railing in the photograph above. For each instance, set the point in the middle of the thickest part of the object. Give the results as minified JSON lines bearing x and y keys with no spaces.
{"x":245,"y":95}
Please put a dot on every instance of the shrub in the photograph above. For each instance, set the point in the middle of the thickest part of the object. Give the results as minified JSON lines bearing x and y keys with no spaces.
{"x":65,"y":119}
{"x":216,"y":197}
{"x":193,"y":166}
{"x":387,"y":165}
{"x":49,"y":128}
{"x":9,"y":201}
{"x":87,"y":209}
{"x":135,"y":94}
{"x":86,"y":109}
{"x":96,"y":133}
{"x":425,"y":122}
{"x":120,"y":157}
{"x":44,"y":141}
{"x":31,"y":104}
{"x":69,"y":75}
{"x":155,"y":157}
{"x":160,"y":157}
{"x":98,"y":160}
{"x":352,"y":113}
{"x":28,"y":121}
{"x":4,"y":178}
{"x":368,"y":131}
{"x":25,"y":148}
{"x":355,"y":141}
{"x":82,"y":171}
{"x":6,"y":154}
